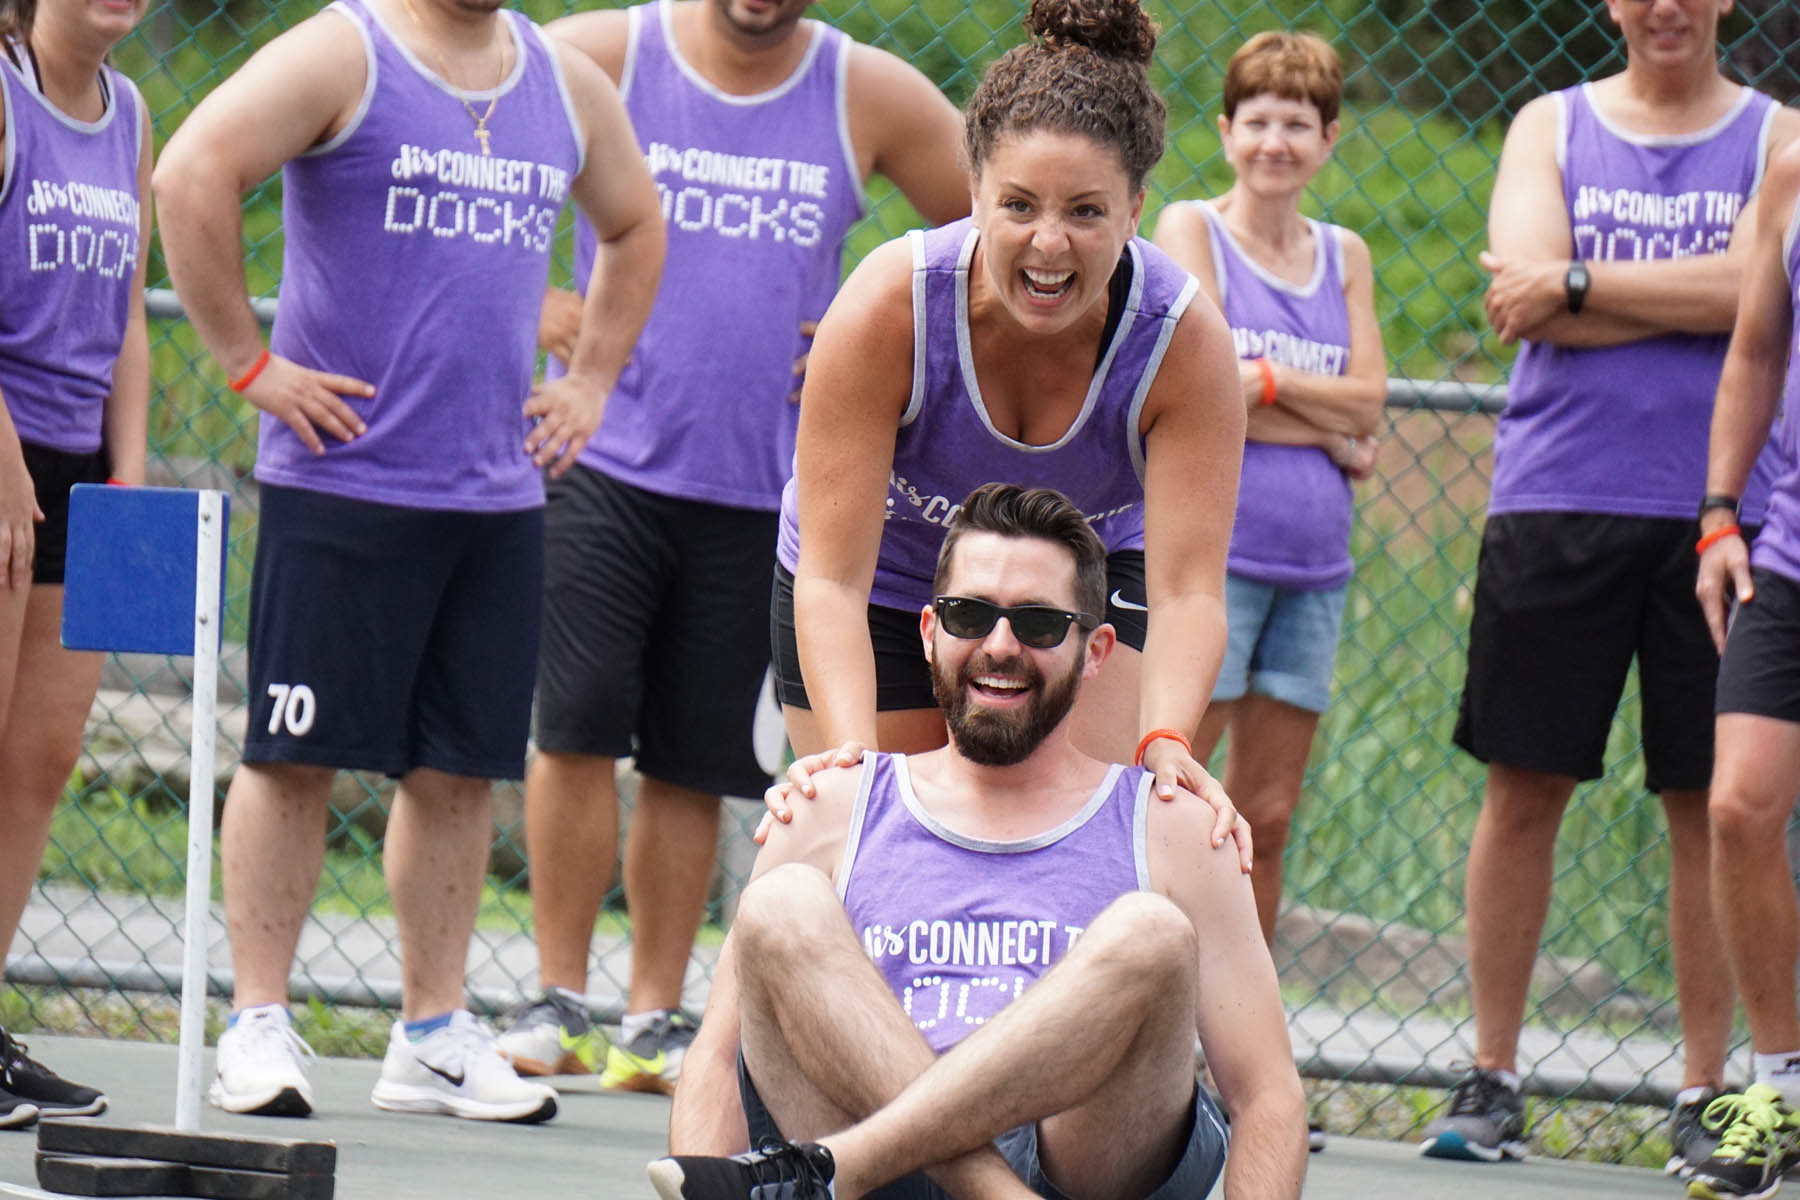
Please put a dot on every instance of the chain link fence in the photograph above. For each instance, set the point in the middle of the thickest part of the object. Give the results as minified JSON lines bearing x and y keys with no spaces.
{"x":1370,"y":948}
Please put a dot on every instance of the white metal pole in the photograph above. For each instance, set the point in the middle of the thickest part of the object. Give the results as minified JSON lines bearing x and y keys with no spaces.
{"x":209,"y":554}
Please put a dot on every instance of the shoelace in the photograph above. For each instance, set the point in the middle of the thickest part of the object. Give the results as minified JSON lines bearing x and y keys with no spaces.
{"x":1475,"y":1096}
{"x":13,"y":1058}
{"x":1747,"y":1122}
{"x":791,"y":1164}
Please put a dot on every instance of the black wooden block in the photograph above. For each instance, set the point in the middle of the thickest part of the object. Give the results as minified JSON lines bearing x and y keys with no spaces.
{"x":101,"y":1176}
{"x":231,"y":1150}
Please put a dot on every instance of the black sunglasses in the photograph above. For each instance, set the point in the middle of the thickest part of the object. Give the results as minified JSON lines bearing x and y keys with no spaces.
{"x":1036,"y":625}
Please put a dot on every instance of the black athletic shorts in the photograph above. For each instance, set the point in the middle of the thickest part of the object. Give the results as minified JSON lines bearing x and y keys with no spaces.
{"x":1760,"y":673}
{"x":53,"y":473}
{"x":902,"y":678}
{"x":1563,"y":602}
{"x":384,"y":638}
{"x":656,"y":613}
{"x":1195,"y":1173}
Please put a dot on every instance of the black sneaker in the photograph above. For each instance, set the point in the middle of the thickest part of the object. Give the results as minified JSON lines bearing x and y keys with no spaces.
{"x":16,"y":1112}
{"x":1486,"y":1122}
{"x":806,"y":1168}
{"x":36,"y":1084}
{"x":1759,"y":1138}
{"x":1690,"y":1141}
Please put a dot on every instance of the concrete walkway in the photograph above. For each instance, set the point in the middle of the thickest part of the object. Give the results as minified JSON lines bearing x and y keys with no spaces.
{"x":598,"y":1144}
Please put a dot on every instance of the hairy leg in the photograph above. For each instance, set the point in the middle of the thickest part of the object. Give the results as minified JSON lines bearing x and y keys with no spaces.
{"x":1756,"y":772}
{"x":271,"y":847}
{"x":1507,"y":894}
{"x":435,"y":856}
{"x":822,"y":1035}
{"x":669,"y":854}
{"x":1702,"y":967}
{"x":571,"y":838}
{"x":1103,"y":1042}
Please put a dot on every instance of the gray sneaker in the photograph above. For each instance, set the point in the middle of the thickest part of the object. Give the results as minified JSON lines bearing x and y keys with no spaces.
{"x":1690,"y":1141}
{"x":1485,"y":1123}
{"x":553,"y":1035}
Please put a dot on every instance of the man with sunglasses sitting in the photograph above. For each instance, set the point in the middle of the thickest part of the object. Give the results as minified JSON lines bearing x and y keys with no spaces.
{"x":979,"y":970}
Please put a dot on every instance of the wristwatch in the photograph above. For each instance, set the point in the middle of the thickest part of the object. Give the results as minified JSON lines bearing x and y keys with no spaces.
{"x":1575,"y":285}
{"x":1714,"y":500}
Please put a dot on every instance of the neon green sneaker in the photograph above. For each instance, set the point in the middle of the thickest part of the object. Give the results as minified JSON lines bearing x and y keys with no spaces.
{"x":651,"y":1061}
{"x":553,"y":1035}
{"x":1759,"y":1138}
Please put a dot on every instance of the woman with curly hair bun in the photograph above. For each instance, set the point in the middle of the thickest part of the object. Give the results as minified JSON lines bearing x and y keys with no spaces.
{"x":1038,"y":342}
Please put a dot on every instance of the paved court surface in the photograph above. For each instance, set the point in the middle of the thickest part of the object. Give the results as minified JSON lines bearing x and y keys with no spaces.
{"x":598,"y":1144}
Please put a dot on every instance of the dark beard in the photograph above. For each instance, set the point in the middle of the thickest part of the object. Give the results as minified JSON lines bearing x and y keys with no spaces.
{"x":1002,"y":739}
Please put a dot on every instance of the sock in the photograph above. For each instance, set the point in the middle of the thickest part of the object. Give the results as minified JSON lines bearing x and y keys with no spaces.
{"x":1689,"y":1095}
{"x":276,"y":1009}
{"x":1509,"y":1078}
{"x":419,"y":1030}
{"x":632,"y":1024}
{"x":575,"y":998}
{"x":1780,"y":1071}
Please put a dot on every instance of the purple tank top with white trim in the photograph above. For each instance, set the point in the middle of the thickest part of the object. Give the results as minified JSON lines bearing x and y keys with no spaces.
{"x":1294,"y":504}
{"x":419,"y":264}
{"x":70,"y":220}
{"x":960,"y":927}
{"x":947,"y":445}
{"x":1777,"y":547}
{"x":759,"y":193}
{"x":1623,"y":429}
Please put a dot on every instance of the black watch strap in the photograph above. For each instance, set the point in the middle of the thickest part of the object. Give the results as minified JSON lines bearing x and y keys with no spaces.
{"x":1714,"y":500}
{"x":1575,"y":285}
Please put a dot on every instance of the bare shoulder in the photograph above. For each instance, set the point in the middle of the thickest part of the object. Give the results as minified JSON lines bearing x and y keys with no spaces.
{"x":877,"y":297}
{"x":1781,"y":181}
{"x":1184,"y":864}
{"x":1534,"y":129}
{"x":1358,"y":262}
{"x":601,"y":36}
{"x":588,"y":81}
{"x":1178,"y":221}
{"x":328,"y":43}
{"x":878,"y":78}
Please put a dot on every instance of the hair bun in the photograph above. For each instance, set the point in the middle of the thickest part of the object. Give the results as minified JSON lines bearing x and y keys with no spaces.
{"x":1115,"y":28}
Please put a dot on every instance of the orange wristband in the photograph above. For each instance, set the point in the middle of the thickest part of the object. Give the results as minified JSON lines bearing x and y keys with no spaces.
{"x":1174,"y":735}
{"x":1268,"y":374}
{"x":1716,"y":536}
{"x":249,"y":377}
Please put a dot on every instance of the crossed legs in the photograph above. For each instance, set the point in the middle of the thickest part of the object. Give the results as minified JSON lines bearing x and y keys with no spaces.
{"x":1099,"y":1053}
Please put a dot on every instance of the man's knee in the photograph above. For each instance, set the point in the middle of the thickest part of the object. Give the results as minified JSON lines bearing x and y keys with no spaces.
{"x":782,"y":912}
{"x":1146,"y":934}
{"x":1745,"y":803}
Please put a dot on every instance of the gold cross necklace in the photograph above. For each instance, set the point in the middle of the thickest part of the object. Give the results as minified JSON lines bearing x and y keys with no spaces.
{"x":481,"y":119}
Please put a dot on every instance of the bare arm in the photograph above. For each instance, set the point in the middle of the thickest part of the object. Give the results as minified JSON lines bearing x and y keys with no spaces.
{"x":1238,"y":1011}
{"x":707,"y":1116}
{"x":19,"y":512}
{"x":902,"y":127}
{"x":1750,"y":387}
{"x":616,"y":194}
{"x":294,"y":92}
{"x":857,"y":385}
{"x":601,"y":36}
{"x":1193,"y":427}
{"x":127,"y":420}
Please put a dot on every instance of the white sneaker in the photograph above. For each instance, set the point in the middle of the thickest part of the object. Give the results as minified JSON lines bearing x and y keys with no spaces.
{"x":458,"y":1070}
{"x":262,"y":1066}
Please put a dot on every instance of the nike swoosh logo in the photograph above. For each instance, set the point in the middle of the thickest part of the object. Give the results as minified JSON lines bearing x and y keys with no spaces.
{"x":1118,"y":601}
{"x":455,"y":1080}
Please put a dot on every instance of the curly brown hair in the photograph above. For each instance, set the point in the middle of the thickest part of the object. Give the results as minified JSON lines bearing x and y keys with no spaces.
{"x":1084,"y":71}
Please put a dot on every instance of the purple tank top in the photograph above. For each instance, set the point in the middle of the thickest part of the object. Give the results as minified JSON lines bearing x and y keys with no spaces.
{"x":1623,"y":429}
{"x":759,"y":193}
{"x":1294,"y":504}
{"x":947,"y":446}
{"x":960,"y":927}
{"x":69,"y":226}
{"x":419,"y":264}
{"x":1777,"y":547}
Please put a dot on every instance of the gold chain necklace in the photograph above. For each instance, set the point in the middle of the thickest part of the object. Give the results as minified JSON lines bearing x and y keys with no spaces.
{"x":481,"y":119}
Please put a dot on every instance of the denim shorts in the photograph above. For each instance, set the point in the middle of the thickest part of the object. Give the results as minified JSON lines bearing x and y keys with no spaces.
{"x":1280,"y":642}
